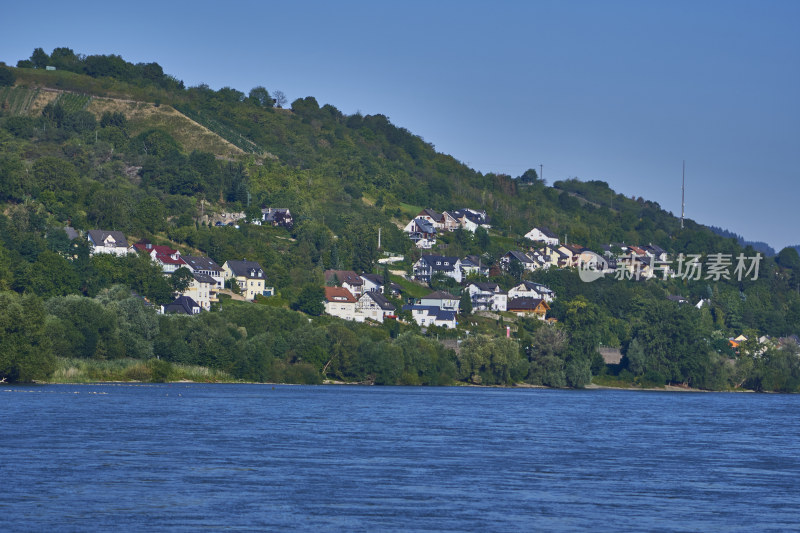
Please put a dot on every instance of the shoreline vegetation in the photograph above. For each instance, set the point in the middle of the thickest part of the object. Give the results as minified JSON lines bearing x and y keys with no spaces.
{"x":74,"y":371}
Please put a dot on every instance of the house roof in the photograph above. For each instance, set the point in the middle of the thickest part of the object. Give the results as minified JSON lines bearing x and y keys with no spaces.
{"x":379,"y":299}
{"x":377,"y":279}
{"x":344,"y":276}
{"x":538,"y":287}
{"x":203,"y":278}
{"x":182,"y":304}
{"x":71,"y":233}
{"x":165,"y":259}
{"x":99,"y":236}
{"x":339,"y":295}
{"x":275,"y":214}
{"x":486,"y":286}
{"x":424,"y":226}
{"x":437,"y":217}
{"x":445,"y":263}
{"x":545,"y":231}
{"x":526,"y":304}
{"x":432,"y":310}
{"x":654,"y":248}
{"x":439,"y":295}
{"x":200,"y":263}
{"x":474,"y":261}
{"x":147,"y":247}
{"x":519,"y":256}
{"x":246,"y":269}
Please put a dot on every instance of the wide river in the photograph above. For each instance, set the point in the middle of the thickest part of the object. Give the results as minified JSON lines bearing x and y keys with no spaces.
{"x":189,"y":457}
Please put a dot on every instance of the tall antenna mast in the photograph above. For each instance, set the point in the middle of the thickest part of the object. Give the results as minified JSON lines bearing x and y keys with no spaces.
{"x":683,"y":192}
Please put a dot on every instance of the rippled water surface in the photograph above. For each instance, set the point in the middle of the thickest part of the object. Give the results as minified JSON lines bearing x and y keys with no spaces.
{"x":188,"y":457}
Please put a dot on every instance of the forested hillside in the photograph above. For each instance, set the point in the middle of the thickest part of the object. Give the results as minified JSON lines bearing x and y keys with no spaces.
{"x":100,"y":143}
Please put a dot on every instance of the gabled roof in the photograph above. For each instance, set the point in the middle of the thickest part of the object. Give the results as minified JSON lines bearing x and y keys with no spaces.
{"x":182,"y":304}
{"x":445,"y":263}
{"x":437,"y":217}
{"x":655,"y":249}
{"x":439,"y":295}
{"x":424,"y":226}
{"x":473,"y":261}
{"x":432,"y":310}
{"x":545,"y":231}
{"x":637,"y":250}
{"x":246,"y":269}
{"x":165,"y":259}
{"x":525,"y":304}
{"x":200,"y":263}
{"x":344,"y":276}
{"x":486,"y":286}
{"x":71,"y":233}
{"x":203,"y":278}
{"x":99,"y":236}
{"x":538,"y":287}
{"x":377,"y":279}
{"x":339,"y":295}
{"x":379,"y":299}
{"x":519,"y":256}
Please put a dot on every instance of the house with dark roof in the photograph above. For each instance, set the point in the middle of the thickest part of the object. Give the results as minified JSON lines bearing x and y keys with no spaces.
{"x":429,"y":265}
{"x":441,"y":299}
{"x":374,"y":282}
{"x":529,"y":264}
{"x":528,"y":307}
{"x":474,"y":265}
{"x":72,"y":234}
{"x":542,"y":234}
{"x":422,"y":232}
{"x":250,"y":277}
{"x":487,"y":296}
{"x":182,"y":305}
{"x":373,"y":305}
{"x":277,"y":216}
{"x":347,"y":279}
{"x":205,"y":265}
{"x":202,"y":289}
{"x":530,"y":289}
{"x":107,"y":242}
{"x":425,"y":316}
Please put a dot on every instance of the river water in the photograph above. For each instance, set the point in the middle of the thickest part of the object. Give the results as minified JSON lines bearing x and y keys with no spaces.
{"x":189,"y":457}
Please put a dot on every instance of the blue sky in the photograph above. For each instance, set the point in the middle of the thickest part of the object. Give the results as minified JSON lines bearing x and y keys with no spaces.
{"x":621,"y":91}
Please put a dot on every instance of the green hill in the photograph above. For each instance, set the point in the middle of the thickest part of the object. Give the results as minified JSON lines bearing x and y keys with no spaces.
{"x":102,"y":143}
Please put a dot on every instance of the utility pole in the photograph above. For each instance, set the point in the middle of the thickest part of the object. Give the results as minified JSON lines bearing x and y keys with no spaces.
{"x":541,"y":172}
{"x":683,"y":192}
{"x":379,"y":238}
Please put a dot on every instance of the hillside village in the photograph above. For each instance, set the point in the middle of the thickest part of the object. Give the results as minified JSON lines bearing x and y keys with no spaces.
{"x":195,"y":202}
{"x":363,"y":297}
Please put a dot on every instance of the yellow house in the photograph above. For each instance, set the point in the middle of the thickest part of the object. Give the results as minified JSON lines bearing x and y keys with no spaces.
{"x":250,"y":277}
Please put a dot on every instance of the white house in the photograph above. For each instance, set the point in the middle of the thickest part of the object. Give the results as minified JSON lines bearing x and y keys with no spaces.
{"x":107,"y":242}
{"x":530,"y":289}
{"x":542,"y":234}
{"x":487,"y":296}
{"x":441,"y":300}
{"x":207,"y":266}
{"x":428,"y":265}
{"x":202,"y":290}
{"x":341,"y":303}
{"x":347,"y":279}
{"x":432,"y":316}
{"x":529,"y":264}
{"x":374,"y":306}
